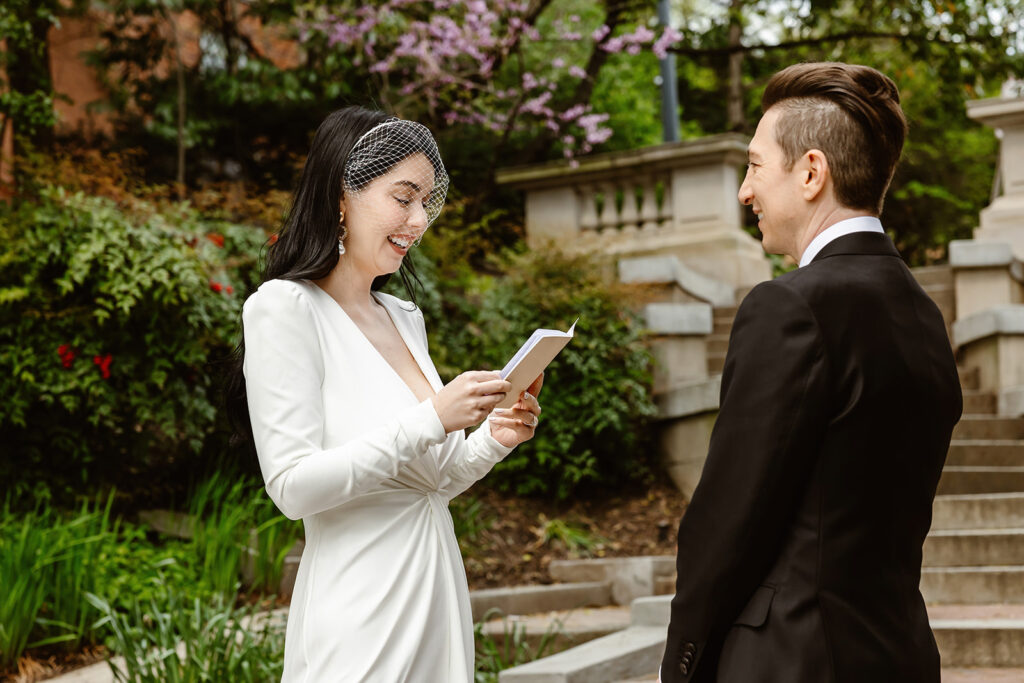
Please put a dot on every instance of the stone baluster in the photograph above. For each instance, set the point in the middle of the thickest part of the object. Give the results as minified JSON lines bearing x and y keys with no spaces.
{"x":630,"y":215}
{"x":609,"y":218}
{"x":649,"y":204}
{"x":587,"y":198}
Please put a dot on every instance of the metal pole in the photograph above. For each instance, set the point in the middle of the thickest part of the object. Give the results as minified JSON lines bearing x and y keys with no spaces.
{"x":669,"y":85}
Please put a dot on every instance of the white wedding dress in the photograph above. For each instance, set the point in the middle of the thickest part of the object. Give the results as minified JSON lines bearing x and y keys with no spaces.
{"x":343,"y":444}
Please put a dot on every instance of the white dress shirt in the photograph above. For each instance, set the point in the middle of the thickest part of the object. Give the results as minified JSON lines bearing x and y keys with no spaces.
{"x":833,"y":232}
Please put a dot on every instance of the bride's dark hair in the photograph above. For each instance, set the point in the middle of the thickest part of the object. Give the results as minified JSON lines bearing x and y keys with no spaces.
{"x":306,"y":247}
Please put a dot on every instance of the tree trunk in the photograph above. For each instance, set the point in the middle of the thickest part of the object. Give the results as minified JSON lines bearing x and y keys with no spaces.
{"x":734,"y":92}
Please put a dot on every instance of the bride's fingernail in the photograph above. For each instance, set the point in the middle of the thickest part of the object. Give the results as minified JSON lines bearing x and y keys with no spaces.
{"x":500,"y":411}
{"x":527,"y":395}
{"x":493,"y":418}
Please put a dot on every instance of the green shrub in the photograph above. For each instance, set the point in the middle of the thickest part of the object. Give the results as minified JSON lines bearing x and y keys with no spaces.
{"x":109,"y":320}
{"x":171,"y":638}
{"x":596,"y":398}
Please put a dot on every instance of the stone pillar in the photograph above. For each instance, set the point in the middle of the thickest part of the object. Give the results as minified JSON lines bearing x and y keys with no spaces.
{"x":1003,"y":220}
{"x":985,"y":274}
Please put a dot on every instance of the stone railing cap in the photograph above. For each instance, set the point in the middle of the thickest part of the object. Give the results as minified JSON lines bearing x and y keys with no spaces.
{"x":694,"y":319}
{"x":725,"y":147}
{"x":975,"y":254}
{"x":1007,"y":319}
{"x":997,"y":111}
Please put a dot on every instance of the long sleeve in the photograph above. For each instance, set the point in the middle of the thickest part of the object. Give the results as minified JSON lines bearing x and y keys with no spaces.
{"x":465,"y":460}
{"x":284,"y":371}
{"x":765,"y":443}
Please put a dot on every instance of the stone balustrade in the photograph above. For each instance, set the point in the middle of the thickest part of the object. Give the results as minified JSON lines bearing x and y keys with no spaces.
{"x":676,"y":199}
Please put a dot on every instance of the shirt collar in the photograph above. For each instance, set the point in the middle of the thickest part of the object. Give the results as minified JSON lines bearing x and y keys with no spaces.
{"x":833,"y":232}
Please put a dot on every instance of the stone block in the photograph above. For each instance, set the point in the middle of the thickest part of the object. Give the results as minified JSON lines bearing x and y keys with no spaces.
{"x":651,"y":611}
{"x":662,"y":269}
{"x":533,"y":599}
{"x":683,"y":444}
{"x":629,"y":577}
{"x":552,"y":215}
{"x":680,"y":319}
{"x":677,"y":360}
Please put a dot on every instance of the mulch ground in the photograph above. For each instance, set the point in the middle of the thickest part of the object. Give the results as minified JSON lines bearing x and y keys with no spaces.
{"x":518,"y":544}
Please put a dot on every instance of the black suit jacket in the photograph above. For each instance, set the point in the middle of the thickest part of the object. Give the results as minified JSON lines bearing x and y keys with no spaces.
{"x":800,"y":552}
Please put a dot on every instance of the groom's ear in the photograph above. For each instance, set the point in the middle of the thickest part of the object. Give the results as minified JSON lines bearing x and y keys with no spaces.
{"x":814,"y":174}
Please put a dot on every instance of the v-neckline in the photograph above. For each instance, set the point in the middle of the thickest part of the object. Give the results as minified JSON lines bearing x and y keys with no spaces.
{"x":412,"y":349}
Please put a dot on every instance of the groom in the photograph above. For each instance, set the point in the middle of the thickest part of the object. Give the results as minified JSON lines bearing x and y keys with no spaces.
{"x":800,"y":553}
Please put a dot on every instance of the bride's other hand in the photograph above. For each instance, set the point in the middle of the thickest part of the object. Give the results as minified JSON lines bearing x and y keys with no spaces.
{"x":517,"y":424}
{"x":468,"y":398}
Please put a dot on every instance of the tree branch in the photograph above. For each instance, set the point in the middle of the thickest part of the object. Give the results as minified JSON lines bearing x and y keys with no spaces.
{"x":801,"y":42}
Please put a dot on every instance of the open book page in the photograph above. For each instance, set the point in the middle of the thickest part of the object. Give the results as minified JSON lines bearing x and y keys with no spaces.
{"x":531,"y":359}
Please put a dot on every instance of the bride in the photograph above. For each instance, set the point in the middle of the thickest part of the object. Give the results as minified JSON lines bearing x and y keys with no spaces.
{"x":355,"y":433}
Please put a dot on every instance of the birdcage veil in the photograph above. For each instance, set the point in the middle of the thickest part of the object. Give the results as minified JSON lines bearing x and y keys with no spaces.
{"x":390,"y":143}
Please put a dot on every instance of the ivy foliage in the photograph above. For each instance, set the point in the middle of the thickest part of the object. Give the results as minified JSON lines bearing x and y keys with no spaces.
{"x":111,"y":322}
{"x":597,"y":406}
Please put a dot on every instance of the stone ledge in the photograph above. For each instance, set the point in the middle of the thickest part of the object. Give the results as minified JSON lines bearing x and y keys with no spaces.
{"x":532,"y":599}
{"x":667,"y":269}
{"x":692,"y":398}
{"x":635,"y":651}
{"x":975,"y":254}
{"x":1006,"y":319}
{"x":679,"y":319}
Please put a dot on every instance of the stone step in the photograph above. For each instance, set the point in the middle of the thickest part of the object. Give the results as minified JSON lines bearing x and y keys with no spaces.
{"x":974,"y":548}
{"x":978,"y":511}
{"x":970,"y":378}
{"x":721,"y":326}
{"x":631,"y":652}
{"x":716,"y":345}
{"x":979,"y":675}
{"x":957,"y":479}
{"x":979,"y":402}
{"x":986,"y":453}
{"x":945,"y":298}
{"x":716,"y":363}
{"x":988,"y":427}
{"x":996,"y":584}
{"x":725,"y":312}
{"x":979,"y":635}
{"x":947,"y":676}
{"x":532,"y":599}
{"x":561,"y":629}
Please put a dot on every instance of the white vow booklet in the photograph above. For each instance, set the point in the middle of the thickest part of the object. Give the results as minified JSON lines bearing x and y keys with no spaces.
{"x":531,"y":359}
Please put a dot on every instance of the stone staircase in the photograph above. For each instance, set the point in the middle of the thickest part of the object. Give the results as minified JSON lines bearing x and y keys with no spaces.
{"x":973,"y":570}
{"x":972,"y":575}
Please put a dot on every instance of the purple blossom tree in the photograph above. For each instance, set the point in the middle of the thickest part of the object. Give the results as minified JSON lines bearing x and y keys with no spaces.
{"x":463,"y":62}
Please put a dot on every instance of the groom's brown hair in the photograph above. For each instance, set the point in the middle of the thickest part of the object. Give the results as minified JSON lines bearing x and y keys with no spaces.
{"x":852,"y":114}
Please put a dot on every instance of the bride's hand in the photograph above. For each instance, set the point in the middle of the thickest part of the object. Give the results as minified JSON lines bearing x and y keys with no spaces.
{"x":465,"y":400}
{"x":517,"y":424}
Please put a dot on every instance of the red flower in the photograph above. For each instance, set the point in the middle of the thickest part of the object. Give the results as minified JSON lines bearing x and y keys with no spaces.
{"x":62,"y":350}
{"x":229,"y":289}
{"x":216,"y":238}
{"x":104,"y":364}
{"x":67,"y":355}
{"x":216,"y":286}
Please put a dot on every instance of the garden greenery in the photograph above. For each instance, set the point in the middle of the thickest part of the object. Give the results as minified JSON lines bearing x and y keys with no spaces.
{"x":111,"y":321}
